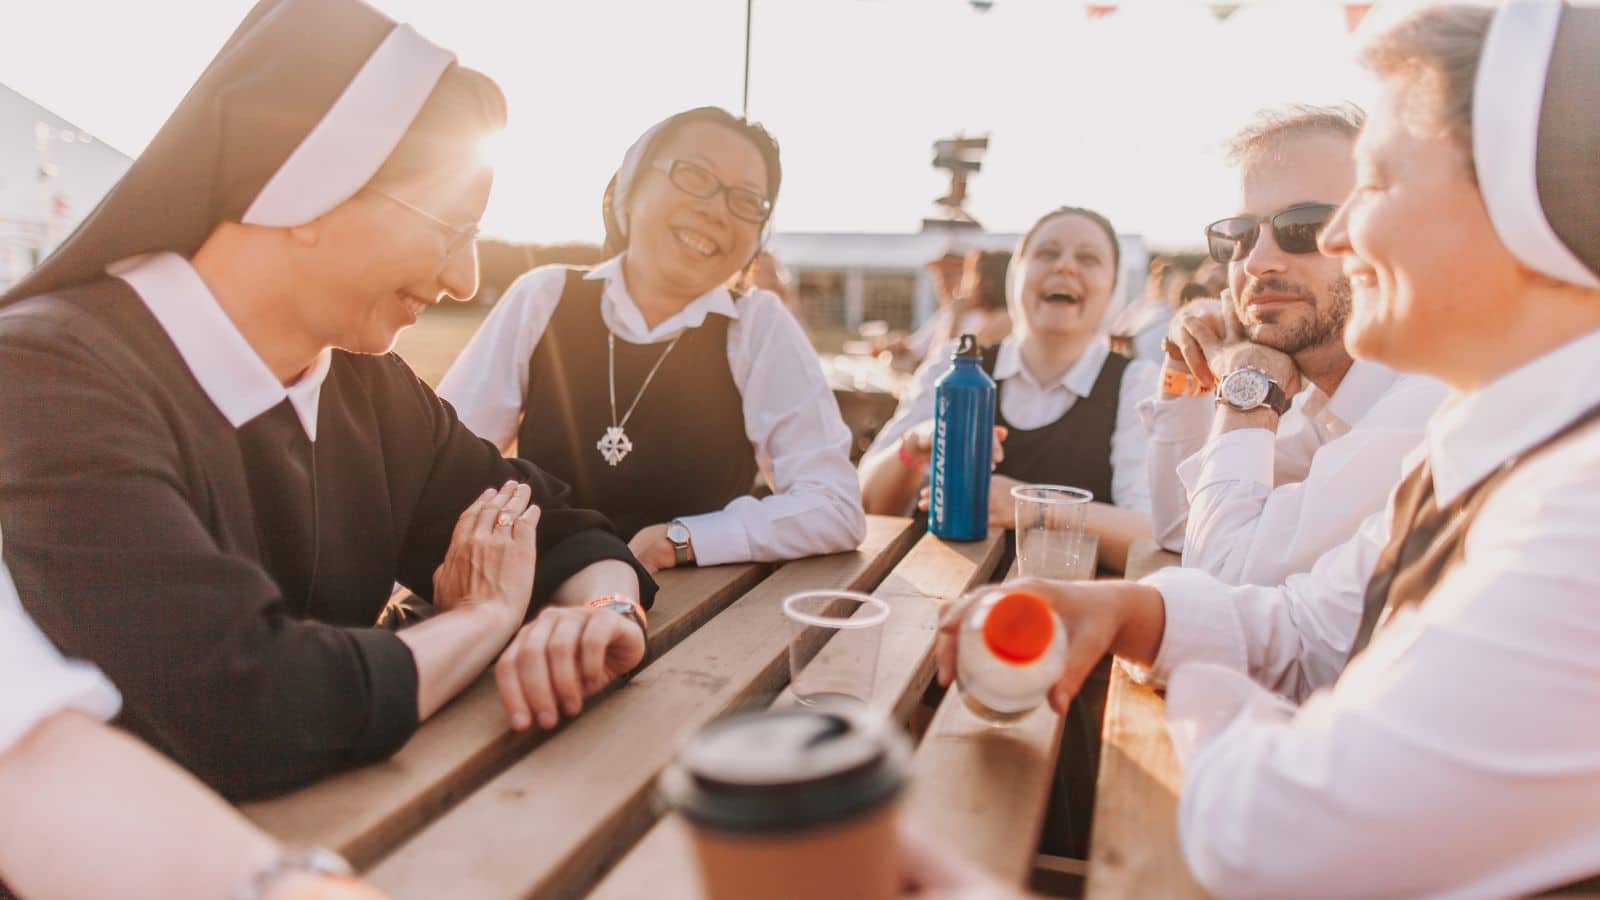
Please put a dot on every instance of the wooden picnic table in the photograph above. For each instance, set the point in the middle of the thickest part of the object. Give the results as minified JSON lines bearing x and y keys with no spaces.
{"x":1133,"y":850}
{"x":470,"y":809}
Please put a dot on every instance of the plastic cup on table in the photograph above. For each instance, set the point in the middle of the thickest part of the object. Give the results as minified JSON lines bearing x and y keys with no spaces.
{"x":833,"y":645}
{"x":1050,"y":520}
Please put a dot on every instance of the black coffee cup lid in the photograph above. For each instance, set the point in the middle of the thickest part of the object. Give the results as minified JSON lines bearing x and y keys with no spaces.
{"x":783,"y":770}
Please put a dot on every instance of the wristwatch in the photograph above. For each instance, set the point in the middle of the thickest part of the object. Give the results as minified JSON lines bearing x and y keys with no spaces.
{"x":1248,"y":387}
{"x":678,"y":534}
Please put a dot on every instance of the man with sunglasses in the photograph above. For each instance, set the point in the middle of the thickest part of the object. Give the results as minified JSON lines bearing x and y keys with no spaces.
{"x":1269,"y":445}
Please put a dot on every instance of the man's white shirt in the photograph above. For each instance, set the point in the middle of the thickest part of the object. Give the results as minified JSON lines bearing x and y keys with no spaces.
{"x":1253,"y":507}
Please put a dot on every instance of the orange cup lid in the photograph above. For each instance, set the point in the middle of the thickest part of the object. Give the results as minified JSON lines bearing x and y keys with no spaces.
{"x":1019,"y":627}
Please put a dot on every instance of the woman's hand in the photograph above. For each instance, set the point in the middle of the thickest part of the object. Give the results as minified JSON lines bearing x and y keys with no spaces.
{"x":1002,"y":506}
{"x":1091,"y":611}
{"x":563,"y":656}
{"x":917,"y":444}
{"x":492,"y":554}
{"x":653,"y":550}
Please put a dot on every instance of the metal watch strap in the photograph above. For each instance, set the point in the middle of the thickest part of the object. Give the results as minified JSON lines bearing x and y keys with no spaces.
{"x":680,"y":552}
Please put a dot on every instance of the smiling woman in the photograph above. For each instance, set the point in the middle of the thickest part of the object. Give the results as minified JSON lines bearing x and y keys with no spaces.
{"x":1066,"y":402}
{"x":654,"y":390}
{"x":218,"y":473}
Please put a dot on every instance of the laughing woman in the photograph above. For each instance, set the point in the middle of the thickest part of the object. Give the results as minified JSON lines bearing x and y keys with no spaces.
{"x":1067,"y":403}
{"x":653,"y":390}
{"x":214,"y":472}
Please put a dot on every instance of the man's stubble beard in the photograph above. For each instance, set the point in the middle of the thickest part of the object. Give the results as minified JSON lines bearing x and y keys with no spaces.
{"x":1326,"y":326}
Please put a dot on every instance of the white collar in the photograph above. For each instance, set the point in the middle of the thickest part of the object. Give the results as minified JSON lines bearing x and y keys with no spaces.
{"x":623,"y":316}
{"x":1079,"y":379}
{"x":1363,"y":385}
{"x":230,"y":371}
{"x":1473,"y":434}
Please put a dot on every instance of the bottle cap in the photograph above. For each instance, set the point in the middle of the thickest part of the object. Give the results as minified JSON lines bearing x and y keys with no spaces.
{"x":967,"y":345}
{"x":1019,"y":627}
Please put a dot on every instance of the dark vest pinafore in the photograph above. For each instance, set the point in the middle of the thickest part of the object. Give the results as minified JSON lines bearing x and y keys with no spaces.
{"x":690,"y":452}
{"x":1074,"y":450}
{"x":1426,"y":542}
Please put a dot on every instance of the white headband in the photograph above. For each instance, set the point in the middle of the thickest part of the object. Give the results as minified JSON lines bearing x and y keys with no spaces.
{"x":1508,"y":100}
{"x":356,"y":135}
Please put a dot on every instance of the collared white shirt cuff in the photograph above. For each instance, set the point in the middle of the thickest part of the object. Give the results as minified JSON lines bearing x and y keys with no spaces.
{"x":1177,"y":419}
{"x":1200,"y":623}
{"x":1243,"y":455}
{"x":718,"y":538}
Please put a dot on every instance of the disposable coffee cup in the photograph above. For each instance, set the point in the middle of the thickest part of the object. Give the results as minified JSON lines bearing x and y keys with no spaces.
{"x":793,"y":804}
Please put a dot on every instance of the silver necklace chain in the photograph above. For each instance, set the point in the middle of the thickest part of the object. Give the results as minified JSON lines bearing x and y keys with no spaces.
{"x":611,"y":370}
{"x":615,"y":445}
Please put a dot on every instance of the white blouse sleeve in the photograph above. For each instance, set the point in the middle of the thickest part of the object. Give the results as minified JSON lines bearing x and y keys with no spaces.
{"x":35,"y":681}
{"x":794,"y":424}
{"x":489,"y":380}
{"x":1130,"y":441}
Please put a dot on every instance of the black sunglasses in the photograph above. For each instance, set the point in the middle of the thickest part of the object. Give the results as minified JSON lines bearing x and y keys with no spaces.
{"x":1295,"y":230}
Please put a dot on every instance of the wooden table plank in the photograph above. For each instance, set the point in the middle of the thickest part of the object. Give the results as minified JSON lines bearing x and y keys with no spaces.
{"x":1134,"y":851}
{"x":981,"y":790}
{"x":366,"y":812}
{"x":662,"y":865}
{"x":1146,"y":556}
{"x":550,"y":824}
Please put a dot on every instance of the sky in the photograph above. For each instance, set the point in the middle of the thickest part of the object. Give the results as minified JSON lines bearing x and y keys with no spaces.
{"x":1125,"y":114}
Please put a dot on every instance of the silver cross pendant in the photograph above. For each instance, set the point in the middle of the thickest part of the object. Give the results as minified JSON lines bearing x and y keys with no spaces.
{"x":615,"y":445}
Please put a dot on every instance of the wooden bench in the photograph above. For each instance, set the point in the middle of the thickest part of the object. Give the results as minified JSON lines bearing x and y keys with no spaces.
{"x":1134,"y":851}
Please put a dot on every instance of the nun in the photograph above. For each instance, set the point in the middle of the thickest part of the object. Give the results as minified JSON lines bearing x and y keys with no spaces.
{"x":653,"y":390}
{"x":214,"y":470}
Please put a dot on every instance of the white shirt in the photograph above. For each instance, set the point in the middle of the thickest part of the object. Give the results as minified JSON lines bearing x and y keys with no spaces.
{"x":801,"y":442}
{"x":1028,"y":404}
{"x":1254,"y":506}
{"x":229,"y":370}
{"x":1459,"y":755}
{"x":35,"y":681}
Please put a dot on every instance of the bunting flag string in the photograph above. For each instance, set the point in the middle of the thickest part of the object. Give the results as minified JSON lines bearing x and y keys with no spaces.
{"x":1353,"y":12}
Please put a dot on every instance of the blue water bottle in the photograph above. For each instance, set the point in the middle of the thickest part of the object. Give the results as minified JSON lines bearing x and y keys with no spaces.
{"x":963,"y":446}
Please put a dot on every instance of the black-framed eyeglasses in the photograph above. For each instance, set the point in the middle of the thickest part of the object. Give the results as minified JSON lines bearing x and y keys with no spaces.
{"x":1295,"y":230}
{"x":458,"y":237}
{"x":697,"y":181}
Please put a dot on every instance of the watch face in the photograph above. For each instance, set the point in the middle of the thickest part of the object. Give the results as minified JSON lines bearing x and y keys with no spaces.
{"x":1244,"y":388}
{"x":678,"y":533}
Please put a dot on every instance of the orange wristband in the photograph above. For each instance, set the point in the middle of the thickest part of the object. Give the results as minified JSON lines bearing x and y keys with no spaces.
{"x":614,"y":599}
{"x":1176,"y":383}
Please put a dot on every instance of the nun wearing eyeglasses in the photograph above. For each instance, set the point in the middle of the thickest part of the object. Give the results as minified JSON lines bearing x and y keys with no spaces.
{"x":214,"y":471}
{"x":653,"y":390}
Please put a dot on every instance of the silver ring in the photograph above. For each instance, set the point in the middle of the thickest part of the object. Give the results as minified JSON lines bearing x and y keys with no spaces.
{"x":504,"y":520}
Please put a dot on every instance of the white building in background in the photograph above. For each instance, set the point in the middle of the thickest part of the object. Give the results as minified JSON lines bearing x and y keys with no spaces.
{"x":844,"y":279}
{"x":52,"y":174}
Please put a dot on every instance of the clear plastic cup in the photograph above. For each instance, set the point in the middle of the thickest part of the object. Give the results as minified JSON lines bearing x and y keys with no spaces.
{"x":1049,"y":529}
{"x":833,"y":645}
